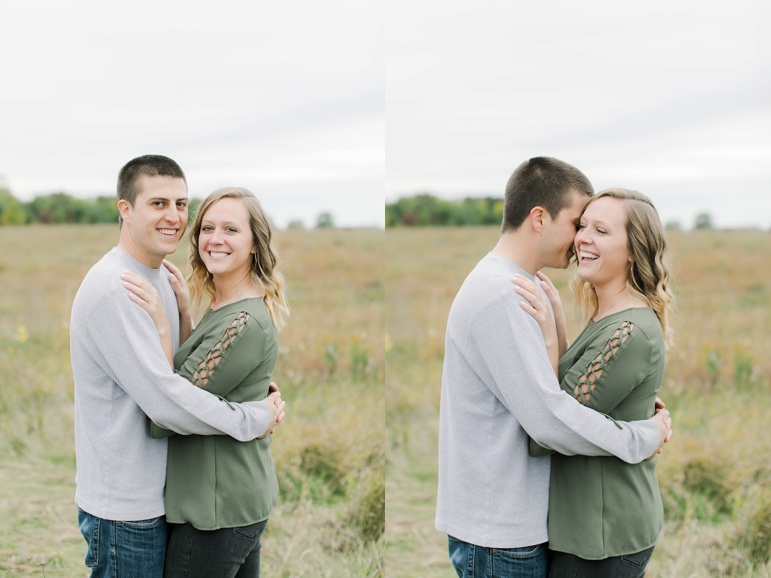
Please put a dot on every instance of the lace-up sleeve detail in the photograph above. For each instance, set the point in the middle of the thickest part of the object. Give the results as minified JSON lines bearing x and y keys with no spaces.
{"x":587,"y":381}
{"x":214,"y":356}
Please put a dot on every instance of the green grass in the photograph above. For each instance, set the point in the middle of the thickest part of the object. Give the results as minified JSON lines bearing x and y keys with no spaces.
{"x":714,"y":475}
{"x":330,"y":452}
{"x":39,"y":520}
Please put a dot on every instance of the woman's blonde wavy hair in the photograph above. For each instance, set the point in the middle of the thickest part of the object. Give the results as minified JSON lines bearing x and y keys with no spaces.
{"x":649,"y":271}
{"x":265,"y":272}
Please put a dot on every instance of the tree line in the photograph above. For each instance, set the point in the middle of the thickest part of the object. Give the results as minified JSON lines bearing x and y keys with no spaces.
{"x":425,"y":210}
{"x":56,"y":208}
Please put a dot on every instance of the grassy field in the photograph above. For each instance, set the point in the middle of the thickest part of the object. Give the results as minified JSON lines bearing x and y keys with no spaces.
{"x":715,"y":474}
{"x":329,"y":452}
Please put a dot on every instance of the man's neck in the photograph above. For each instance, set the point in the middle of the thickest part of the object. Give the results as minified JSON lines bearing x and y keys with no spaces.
{"x":522,"y":251}
{"x":152,"y":261}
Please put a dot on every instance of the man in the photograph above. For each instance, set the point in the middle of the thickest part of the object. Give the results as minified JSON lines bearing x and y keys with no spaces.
{"x":122,"y":377}
{"x":498,"y":388}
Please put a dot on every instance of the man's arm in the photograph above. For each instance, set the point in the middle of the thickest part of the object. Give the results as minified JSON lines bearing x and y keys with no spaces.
{"x":510,"y":343}
{"x":131,"y":354}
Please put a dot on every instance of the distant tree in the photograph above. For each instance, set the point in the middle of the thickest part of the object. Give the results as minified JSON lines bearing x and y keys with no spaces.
{"x":296,"y":224}
{"x":100,"y":210}
{"x":11,"y":210}
{"x":421,"y":210}
{"x":703,"y":221}
{"x":673,"y":226}
{"x":192,"y":209}
{"x":325,"y":221}
{"x":56,"y":208}
{"x":480,"y":211}
{"x":390,"y":218}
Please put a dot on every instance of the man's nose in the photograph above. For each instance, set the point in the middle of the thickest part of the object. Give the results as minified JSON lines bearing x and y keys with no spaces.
{"x":171,"y":214}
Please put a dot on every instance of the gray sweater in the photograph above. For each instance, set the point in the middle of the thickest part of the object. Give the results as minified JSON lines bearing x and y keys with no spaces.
{"x":121,"y":377}
{"x":498,"y":387}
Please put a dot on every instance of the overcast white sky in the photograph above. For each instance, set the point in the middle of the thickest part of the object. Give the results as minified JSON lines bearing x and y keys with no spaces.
{"x":670,"y":98}
{"x":284,"y":98}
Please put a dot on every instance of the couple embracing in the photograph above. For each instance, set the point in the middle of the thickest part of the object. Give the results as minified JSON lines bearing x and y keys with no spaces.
{"x":173,"y":423}
{"x":547,"y":449}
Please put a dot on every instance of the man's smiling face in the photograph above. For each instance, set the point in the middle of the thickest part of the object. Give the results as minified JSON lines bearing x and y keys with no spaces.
{"x":153,"y":227}
{"x":561,"y":231}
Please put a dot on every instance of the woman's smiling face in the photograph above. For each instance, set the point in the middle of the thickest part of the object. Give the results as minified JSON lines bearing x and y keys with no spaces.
{"x":601,"y":244}
{"x":225,"y":239}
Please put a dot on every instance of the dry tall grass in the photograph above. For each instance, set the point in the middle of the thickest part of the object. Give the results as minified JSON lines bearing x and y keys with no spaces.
{"x":714,"y":474}
{"x":329,"y":452}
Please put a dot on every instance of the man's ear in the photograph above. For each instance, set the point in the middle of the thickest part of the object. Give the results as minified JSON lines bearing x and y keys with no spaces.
{"x":536,"y":217}
{"x":123,"y":208}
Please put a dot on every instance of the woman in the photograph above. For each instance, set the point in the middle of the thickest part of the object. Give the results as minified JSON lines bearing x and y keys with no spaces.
{"x":605,"y":515}
{"x":220,"y":492}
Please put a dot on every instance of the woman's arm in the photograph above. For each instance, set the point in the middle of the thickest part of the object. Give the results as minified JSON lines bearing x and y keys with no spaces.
{"x":537,"y":306}
{"x":229,"y":350}
{"x":612,"y":366}
{"x":559,"y":314}
{"x":179,"y":285}
{"x":144,"y":294}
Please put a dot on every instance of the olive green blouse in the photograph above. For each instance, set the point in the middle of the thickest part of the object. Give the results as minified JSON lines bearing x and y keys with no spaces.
{"x":215,"y":481}
{"x":601,"y":506}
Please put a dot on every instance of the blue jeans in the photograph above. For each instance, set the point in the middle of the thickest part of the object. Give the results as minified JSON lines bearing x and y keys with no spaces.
{"x":117,"y":549}
{"x":471,"y":561}
{"x":570,"y":566}
{"x":225,"y":553}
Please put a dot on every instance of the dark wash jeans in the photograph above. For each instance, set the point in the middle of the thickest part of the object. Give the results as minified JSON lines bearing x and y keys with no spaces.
{"x":225,"y":553}
{"x":117,"y":549}
{"x":471,"y":561}
{"x":629,"y":566}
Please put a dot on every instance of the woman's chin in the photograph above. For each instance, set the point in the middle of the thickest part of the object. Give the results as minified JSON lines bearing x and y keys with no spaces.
{"x":583,"y":275}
